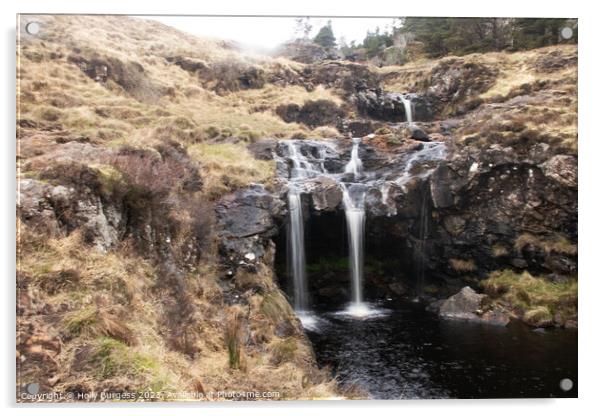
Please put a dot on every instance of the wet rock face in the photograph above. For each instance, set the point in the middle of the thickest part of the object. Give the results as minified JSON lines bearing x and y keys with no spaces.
{"x":312,"y":113}
{"x":359,"y":127}
{"x":326,"y":194}
{"x":349,"y":77}
{"x":246,"y":220}
{"x":388,"y":106}
{"x":490,"y":198}
{"x":430,"y":203}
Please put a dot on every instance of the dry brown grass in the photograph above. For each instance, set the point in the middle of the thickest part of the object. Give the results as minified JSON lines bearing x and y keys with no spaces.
{"x":536,"y":300}
{"x":461,"y":265}
{"x":227,"y":167}
{"x":110,"y":314}
{"x":555,"y":243}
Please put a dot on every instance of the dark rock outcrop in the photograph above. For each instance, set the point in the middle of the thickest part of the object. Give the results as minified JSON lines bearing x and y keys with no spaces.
{"x":304,"y":51}
{"x":326,"y":194}
{"x":454,"y":81}
{"x":388,"y":106}
{"x":246,"y":220}
{"x":131,"y":76}
{"x":312,"y":113}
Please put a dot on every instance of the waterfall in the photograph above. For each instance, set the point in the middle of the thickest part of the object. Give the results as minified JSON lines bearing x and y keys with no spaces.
{"x":353,"y":200}
{"x":301,"y":170}
{"x":305,"y":161}
{"x":407,"y":104}
{"x":420,"y":250}
{"x":297,"y":249}
{"x":355,"y":163}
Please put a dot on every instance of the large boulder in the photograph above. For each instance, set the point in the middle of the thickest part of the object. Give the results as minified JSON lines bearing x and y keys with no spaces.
{"x":462,"y":305}
{"x":326,"y":194}
{"x":468,"y":305}
{"x":58,"y":210}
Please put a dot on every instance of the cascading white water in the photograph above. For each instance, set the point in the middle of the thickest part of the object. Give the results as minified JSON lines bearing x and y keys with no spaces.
{"x":297,"y":249}
{"x":355,"y":163}
{"x":407,"y":105}
{"x":430,"y":152}
{"x":355,"y":214}
{"x":306,"y":161}
{"x":353,"y":200}
{"x":302,"y":169}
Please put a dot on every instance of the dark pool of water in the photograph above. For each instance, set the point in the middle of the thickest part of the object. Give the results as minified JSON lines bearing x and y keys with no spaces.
{"x":409,"y":353}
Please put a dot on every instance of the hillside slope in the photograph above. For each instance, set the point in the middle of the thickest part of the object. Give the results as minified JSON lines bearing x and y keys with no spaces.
{"x":121,"y":154}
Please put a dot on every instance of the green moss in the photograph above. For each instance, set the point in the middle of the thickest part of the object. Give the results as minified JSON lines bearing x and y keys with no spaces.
{"x":328,"y":264}
{"x":341,"y":264}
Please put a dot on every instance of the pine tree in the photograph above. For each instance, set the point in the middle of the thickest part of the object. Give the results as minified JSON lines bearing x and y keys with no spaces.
{"x":325,"y":37}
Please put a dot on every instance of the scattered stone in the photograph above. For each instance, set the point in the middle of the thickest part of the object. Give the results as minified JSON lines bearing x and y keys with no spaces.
{"x":561,"y":168}
{"x":418,"y":134}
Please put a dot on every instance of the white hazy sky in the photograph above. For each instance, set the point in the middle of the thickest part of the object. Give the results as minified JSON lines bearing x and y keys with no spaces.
{"x":269,"y":32}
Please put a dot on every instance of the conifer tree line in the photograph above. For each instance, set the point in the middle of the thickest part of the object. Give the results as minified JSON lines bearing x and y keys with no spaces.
{"x":440,"y":36}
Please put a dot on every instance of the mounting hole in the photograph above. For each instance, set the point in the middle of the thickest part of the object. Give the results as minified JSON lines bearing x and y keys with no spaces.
{"x":566,"y":33}
{"x":566,"y":384}
{"x":32,"y":388}
{"x":33,"y":28}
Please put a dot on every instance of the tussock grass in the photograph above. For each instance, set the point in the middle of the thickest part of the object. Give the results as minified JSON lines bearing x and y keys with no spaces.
{"x":113,"y":358}
{"x":227,"y":167}
{"x":537,"y":300}
{"x":98,"y":322}
{"x":233,"y":338}
{"x":555,"y":243}
{"x":461,"y":265}
{"x":275,"y":306}
{"x":499,"y":251}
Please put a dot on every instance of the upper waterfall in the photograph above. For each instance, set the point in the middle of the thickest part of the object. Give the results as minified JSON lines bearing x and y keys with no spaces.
{"x":355,"y":163}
